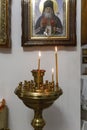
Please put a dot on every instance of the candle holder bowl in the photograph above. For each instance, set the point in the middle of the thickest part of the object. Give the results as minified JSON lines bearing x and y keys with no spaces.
{"x":38,"y":96}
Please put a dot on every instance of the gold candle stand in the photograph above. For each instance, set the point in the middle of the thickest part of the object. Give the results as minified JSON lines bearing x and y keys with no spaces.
{"x":38,"y":95}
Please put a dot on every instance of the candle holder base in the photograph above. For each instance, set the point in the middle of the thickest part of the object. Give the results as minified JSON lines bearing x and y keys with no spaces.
{"x":38,"y":96}
{"x":38,"y":102}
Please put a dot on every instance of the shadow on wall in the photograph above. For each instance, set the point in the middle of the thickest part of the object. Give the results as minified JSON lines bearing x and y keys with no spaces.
{"x":54,"y":118}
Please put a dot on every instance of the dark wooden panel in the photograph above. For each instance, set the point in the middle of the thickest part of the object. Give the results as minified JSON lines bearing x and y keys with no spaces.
{"x":84,"y":22}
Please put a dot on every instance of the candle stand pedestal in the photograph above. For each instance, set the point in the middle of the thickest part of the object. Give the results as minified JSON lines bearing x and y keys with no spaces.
{"x":38,"y":95}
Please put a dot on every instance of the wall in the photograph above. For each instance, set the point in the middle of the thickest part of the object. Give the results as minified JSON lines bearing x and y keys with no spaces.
{"x":15,"y":66}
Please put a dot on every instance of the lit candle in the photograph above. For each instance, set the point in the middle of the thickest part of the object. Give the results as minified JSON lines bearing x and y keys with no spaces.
{"x":56,"y":65}
{"x":39,"y":60}
{"x":52,"y":74}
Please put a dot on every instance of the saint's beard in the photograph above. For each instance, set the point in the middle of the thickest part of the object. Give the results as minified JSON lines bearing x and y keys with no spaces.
{"x":48,"y":15}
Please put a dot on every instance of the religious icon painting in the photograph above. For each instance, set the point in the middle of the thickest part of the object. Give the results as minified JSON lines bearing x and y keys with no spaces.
{"x":48,"y":22}
{"x":5,"y":40}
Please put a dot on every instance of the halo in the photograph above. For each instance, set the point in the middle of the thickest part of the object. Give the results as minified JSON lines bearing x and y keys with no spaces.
{"x":55,"y":5}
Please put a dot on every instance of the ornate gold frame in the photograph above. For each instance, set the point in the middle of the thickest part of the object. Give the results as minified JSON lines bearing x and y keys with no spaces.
{"x":68,"y":38}
{"x":5,"y":23}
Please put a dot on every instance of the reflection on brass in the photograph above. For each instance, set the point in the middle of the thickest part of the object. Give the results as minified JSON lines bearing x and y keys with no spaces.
{"x":38,"y":95}
{"x":4,"y":23}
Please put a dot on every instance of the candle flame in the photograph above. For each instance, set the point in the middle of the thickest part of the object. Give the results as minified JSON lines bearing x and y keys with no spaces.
{"x":56,"y":48}
{"x":39,"y":54}
{"x":52,"y":70}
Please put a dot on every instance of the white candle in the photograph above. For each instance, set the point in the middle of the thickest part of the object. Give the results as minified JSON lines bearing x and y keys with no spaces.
{"x":39,"y":60}
{"x":52,"y":74}
{"x":56,"y":61}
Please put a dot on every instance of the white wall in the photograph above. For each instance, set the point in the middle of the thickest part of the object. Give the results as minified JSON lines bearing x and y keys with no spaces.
{"x":15,"y":66}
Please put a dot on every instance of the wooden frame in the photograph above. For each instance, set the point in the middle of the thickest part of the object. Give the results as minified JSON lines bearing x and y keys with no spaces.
{"x":84,"y":60}
{"x":66,"y":14}
{"x":83,"y":22}
{"x":84,"y":52}
{"x":5,"y":23}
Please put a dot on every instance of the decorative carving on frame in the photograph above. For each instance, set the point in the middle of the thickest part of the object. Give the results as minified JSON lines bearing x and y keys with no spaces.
{"x":5,"y":23}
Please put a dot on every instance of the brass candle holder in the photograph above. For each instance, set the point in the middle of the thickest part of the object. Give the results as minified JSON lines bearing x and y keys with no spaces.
{"x":38,"y":95}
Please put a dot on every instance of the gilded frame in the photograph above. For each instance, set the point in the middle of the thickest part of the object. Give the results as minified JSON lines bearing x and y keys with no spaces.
{"x":5,"y":23}
{"x":30,"y":12}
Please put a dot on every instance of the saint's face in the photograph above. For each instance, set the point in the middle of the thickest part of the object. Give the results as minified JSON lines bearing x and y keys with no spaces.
{"x":48,"y":10}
